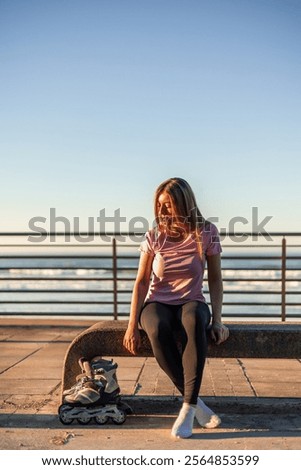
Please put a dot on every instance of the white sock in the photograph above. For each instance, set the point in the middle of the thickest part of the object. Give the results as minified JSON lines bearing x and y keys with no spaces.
{"x":206,"y":417}
{"x":183,"y":425}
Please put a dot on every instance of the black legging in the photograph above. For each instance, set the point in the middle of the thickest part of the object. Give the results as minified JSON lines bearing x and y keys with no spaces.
{"x":185,"y":367}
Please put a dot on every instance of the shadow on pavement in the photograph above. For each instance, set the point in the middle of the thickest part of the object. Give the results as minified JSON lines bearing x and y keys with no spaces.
{"x":238,"y":425}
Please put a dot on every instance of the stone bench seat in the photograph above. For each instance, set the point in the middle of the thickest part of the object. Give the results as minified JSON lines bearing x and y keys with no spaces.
{"x":252,"y":340}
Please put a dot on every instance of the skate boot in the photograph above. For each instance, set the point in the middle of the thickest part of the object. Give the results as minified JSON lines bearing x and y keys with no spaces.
{"x":74,"y":387}
{"x":105,"y":370}
{"x":96,"y":395}
{"x":86,"y":390}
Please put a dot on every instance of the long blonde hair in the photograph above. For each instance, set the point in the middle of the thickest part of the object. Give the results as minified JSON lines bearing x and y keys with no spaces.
{"x":184,"y":207}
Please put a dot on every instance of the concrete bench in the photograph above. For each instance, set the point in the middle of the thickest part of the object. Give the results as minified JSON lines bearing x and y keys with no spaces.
{"x":253,"y":340}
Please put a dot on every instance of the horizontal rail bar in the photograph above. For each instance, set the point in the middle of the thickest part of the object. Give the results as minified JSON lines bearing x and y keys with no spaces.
{"x":133,"y":268}
{"x":46,"y":302}
{"x":129,"y":291}
{"x":124,"y":245}
{"x":61,"y":314}
{"x":86,"y":268}
{"x":121,"y":302}
{"x":123,"y":314}
{"x":140,"y":233}
{"x":63,"y":291}
{"x":55,"y":256}
{"x":58,"y":245}
{"x":109,"y":268}
{"x":93,"y":278}
{"x":107,"y":279}
{"x":135,"y":257}
{"x":41,"y":278}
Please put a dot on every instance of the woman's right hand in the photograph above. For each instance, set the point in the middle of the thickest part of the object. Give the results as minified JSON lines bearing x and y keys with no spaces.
{"x":219,"y":332}
{"x":132,"y":340}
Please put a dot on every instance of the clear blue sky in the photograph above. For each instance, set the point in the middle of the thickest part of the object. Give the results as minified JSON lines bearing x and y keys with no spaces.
{"x":102,"y":100}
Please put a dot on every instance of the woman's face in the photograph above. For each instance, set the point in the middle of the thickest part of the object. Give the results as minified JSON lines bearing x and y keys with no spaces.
{"x":168,"y":218}
{"x":164,"y":208}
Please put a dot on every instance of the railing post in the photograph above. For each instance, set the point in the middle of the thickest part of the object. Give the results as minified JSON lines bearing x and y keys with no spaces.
{"x":115,"y":300}
{"x":283,"y":280}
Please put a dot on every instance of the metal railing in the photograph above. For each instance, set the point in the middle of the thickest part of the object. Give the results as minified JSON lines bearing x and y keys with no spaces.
{"x":261,"y":280}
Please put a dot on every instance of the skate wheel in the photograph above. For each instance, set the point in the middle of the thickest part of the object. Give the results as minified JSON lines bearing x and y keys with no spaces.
{"x":120,"y":419}
{"x":63,"y":414}
{"x":101,"y":419}
{"x":83,"y":420}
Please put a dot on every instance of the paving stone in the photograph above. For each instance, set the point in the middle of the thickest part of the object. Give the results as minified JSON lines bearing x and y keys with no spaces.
{"x":26,"y":369}
{"x":28,"y":386}
{"x":131,"y":373}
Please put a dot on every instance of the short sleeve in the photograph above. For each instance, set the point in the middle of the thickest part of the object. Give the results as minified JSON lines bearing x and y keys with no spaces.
{"x":213,"y":244}
{"x":147,"y":243}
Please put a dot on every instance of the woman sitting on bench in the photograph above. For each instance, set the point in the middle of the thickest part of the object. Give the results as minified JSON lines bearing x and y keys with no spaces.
{"x":176,"y":251}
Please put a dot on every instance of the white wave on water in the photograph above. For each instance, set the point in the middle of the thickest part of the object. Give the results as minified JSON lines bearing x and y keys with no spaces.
{"x":49,"y":272}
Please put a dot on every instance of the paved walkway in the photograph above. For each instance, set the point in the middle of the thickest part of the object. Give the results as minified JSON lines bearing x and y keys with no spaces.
{"x":258,"y":399}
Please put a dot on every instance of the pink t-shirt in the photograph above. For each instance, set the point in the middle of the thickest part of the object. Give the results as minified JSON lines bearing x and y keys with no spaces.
{"x":178,"y":268}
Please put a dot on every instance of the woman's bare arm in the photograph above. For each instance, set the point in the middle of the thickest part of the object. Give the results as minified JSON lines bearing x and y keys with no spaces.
{"x":131,"y":340}
{"x":219,"y":332}
{"x":215,"y":284}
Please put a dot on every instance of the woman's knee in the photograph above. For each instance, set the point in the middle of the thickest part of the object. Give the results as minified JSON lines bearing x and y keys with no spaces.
{"x":195,"y":315}
{"x":159,"y":332}
{"x":155,"y":322}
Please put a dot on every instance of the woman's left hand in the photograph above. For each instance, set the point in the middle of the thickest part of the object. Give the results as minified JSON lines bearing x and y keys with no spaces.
{"x":219,"y":332}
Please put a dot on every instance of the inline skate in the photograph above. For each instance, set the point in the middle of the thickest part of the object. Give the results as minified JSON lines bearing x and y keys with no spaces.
{"x":95,"y":395}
